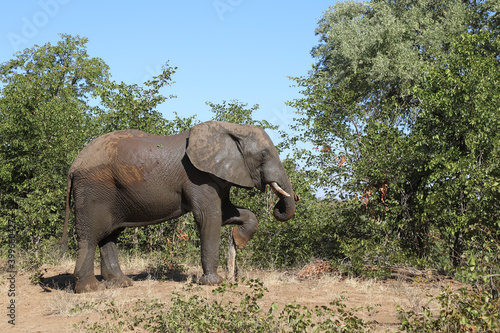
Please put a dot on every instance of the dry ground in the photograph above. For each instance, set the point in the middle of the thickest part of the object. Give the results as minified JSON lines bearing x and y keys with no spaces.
{"x":48,"y":310}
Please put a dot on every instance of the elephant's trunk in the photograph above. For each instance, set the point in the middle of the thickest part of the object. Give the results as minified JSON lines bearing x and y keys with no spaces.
{"x":285,"y":208}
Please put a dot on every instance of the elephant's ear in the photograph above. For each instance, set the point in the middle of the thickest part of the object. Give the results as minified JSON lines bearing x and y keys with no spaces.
{"x":215,"y":147}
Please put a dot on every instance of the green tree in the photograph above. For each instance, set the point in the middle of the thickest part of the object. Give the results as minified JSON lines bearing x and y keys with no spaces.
{"x":237,"y":112}
{"x":46,"y":117}
{"x":369,"y":58}
{"x":375,"y":51}
{"x":133,"y":106}
{"x":54,"y":99}
{"x":361,"y":103}
{"x":458,"y":130}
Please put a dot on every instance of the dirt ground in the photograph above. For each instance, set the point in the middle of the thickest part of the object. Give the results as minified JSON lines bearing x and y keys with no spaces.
{"x":47,"y":309}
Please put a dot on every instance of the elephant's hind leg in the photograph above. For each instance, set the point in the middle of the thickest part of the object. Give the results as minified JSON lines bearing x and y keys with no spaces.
{"x":110,"y":268}
{"x":85,"y":280}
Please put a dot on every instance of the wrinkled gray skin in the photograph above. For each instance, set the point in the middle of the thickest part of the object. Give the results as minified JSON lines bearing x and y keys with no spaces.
{"x":131,"y":178}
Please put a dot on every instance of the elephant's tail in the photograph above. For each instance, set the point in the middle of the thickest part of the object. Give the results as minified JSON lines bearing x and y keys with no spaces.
{"x":64,"y":239}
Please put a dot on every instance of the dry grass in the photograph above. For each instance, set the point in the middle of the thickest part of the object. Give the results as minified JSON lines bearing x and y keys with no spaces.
{"x":67,"y":304}
{"x":414,"y":296}
{"x":135,"y":262}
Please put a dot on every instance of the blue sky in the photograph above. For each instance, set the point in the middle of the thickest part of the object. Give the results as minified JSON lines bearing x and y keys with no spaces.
{"x":224,"y":49}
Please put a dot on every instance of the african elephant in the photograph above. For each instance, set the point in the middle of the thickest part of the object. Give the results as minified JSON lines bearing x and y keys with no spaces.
{"x":130,"y":178}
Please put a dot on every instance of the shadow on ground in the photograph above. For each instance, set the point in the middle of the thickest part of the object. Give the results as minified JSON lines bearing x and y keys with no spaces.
{"x":66,"y":282}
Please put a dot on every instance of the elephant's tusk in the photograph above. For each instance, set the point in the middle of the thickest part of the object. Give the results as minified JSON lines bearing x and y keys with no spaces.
{"x":278,"y":189}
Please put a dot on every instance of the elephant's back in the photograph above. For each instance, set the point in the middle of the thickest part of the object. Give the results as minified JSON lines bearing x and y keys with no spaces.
{"x":104,"y":149}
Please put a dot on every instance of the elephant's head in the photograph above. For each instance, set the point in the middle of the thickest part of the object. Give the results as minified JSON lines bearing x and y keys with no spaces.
{"x":243,"y":155}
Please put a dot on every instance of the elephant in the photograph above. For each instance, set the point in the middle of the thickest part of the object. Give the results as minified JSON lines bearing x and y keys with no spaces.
{"x":131,"y":178}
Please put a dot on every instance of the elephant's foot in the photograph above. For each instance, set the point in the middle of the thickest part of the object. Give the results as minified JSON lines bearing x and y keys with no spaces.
{"x":210,"y":279}
{"x":239,"y":239}
{"x":122,"y":281}
{"x":88,"y":285}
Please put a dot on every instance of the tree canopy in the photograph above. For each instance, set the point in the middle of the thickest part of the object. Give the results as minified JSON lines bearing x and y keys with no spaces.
{"x":401,"y":104}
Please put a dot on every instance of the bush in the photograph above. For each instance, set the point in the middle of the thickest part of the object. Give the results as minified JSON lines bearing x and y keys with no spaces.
{"x":464,"y":310}
{"x":475,"y":308}
{"x":199,"y":314}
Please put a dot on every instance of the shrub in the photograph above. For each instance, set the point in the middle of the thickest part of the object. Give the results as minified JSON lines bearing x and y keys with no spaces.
{"x":464,"y":310}
{"x":199,"y":314}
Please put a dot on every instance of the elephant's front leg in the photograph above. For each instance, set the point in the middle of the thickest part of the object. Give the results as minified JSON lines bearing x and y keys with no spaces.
{"x":209,"y":221}
{"x":246,"y":220}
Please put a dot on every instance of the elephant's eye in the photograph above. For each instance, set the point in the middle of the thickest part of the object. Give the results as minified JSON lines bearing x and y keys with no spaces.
{"x":264,"y":154}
